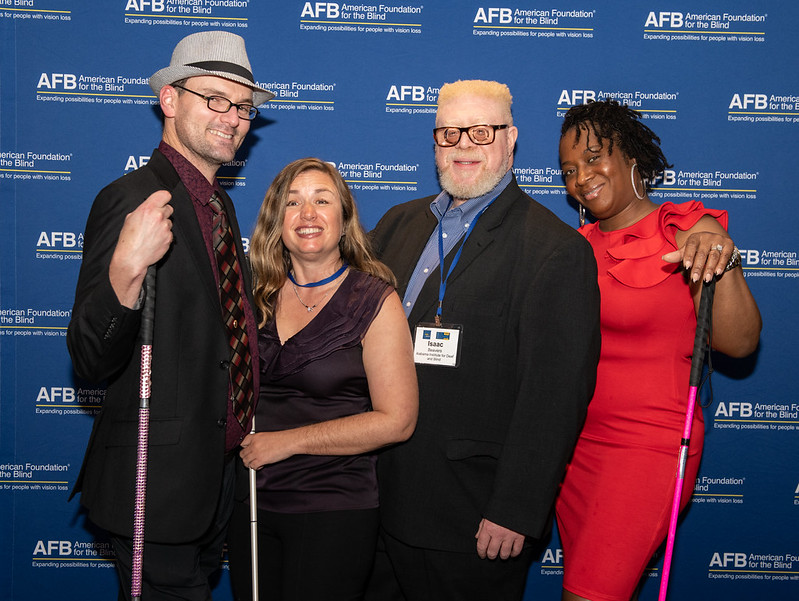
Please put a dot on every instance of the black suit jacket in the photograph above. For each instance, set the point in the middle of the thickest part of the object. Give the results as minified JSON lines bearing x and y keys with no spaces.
{"x":494,"y":434}
{"x":189,"y":373}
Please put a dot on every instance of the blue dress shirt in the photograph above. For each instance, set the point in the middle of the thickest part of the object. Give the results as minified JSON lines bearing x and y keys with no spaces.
{"x":454,"y":223}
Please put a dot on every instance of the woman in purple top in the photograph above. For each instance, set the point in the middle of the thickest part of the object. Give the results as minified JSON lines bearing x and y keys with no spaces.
{"x":337,"y":382}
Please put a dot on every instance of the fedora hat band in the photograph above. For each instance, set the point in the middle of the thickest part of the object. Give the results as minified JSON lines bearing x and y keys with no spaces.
{"x":224,"y":67}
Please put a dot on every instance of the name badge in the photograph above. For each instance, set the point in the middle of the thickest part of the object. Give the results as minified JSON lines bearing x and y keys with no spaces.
{"x":437,"y":345}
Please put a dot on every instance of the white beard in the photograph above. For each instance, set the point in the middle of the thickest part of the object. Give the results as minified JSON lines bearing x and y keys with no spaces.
{"x":463,"y":191}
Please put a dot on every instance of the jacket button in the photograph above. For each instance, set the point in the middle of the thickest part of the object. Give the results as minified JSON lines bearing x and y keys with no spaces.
{"x":224,"y":365}
{"x":221,"y":422}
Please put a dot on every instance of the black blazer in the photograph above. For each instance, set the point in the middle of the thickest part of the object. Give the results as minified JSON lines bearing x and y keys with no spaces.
{"x":189,"y":374}
{"x":494,"y":435}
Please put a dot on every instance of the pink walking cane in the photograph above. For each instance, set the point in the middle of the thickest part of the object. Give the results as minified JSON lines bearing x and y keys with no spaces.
{"x":146,"y":339}
{"x":701,"y":341}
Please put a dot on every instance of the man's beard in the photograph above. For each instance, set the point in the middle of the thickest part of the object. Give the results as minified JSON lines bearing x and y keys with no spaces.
{"x":465,"y":191}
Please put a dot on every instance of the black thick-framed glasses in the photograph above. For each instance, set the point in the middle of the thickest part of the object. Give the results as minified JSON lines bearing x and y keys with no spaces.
{"x":220,"y":104}
{"x":479,"y":134}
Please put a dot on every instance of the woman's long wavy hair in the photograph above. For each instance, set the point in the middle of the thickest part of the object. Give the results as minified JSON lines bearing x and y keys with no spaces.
{"x":271,"y":261}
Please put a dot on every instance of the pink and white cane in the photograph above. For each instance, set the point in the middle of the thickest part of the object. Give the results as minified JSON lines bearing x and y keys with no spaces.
{"x":146,"y":339}
{"x":701,"y":342}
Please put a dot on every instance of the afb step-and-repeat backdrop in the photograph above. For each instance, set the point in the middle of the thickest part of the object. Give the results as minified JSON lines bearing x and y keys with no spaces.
{"x":357,"y":85}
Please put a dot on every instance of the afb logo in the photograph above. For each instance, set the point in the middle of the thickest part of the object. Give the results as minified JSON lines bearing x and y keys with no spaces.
{"x":134,"y":162}
{"x":56,"y":394}
{"x":728,"y":560}
{"x":552,"y":556}
{"x":156,"y":6}
{"x":733,"y":409}
{"x":493,"y":15}
{"x":319,"y":10}
{"x":751,"y":257}
{"x":53,"y":547}
{"x":664,"y":19}
{"x":406,"y":93}
{"x":667,"y":178}
{"x":60,"y":240}
{"x":573,"y":97}
{"x":67,"y":81}
{"x":749,"y":101}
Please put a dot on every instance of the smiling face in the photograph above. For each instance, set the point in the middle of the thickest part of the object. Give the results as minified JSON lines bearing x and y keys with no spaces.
{"x":468,"y":170}
{"x":600,"y":180}
{"x":313,"y":220}
{"x":206,"y":138}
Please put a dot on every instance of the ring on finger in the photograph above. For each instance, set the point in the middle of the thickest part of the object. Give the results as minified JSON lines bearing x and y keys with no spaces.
{"x":718,"y":247}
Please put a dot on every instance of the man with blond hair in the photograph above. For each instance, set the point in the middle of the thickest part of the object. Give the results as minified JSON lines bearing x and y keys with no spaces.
{"x":506,"y":341}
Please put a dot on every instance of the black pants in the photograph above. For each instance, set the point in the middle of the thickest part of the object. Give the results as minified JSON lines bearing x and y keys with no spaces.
{"x":324,"y":556}
{"x":406,"y":573}
{"x":179,"y":571}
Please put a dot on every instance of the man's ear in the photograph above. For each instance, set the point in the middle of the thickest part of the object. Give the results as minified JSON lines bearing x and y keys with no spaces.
{"x":513,"y":134}
{"x":168,"y":97}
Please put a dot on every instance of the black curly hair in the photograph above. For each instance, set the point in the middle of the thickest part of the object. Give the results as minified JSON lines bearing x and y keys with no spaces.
{"x":621,"y":126}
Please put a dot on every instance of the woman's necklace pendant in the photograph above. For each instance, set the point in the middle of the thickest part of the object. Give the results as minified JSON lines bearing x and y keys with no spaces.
{"x":327,"y":280}
{"x":308,"y":308}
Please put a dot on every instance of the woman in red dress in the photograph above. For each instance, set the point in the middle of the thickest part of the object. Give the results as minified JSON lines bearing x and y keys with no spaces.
{"x":613,"y":510}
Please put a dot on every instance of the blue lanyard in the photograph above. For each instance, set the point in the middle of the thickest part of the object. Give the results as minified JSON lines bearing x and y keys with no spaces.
{"x":443,"y":285}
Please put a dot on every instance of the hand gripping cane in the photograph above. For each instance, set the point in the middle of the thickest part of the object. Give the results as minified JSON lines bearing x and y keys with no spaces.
{"x":146,"y":339}
{"x":697,"y":362}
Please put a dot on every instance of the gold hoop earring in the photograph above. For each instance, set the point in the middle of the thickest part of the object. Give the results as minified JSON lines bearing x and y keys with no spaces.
{"x":632,"y":180}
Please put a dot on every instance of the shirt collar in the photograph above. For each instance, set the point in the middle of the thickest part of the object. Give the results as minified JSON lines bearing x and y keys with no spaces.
{"x":473,"y":206}
{"x":195,"y":182}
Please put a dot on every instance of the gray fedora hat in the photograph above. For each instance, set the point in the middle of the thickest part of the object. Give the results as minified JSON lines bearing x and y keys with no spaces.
{"x":218,"y":53}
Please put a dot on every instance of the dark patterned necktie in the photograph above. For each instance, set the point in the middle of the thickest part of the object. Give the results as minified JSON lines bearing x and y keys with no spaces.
{"x":231,"y":297}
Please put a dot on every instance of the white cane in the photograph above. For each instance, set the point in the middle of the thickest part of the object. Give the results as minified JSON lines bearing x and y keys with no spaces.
{"x":254,"y":527}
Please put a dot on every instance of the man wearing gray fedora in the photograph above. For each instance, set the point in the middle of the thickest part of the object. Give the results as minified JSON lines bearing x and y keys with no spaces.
{"x":172,"y":213}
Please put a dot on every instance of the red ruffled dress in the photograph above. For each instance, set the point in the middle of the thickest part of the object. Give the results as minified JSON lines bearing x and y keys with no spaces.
{"x":613,"y":509}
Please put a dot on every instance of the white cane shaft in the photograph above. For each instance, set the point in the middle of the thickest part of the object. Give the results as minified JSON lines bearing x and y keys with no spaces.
{"x":254,"y":535}
{"x":254,"y":527}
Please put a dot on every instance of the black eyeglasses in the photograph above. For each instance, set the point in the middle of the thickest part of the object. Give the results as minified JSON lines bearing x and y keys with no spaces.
{"x":220,"y":104}
{"x":479,"y":134}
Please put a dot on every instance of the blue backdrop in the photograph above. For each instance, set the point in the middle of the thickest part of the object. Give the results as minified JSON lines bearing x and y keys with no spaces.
{"x":357,"y":85}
